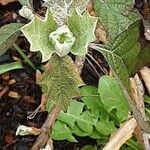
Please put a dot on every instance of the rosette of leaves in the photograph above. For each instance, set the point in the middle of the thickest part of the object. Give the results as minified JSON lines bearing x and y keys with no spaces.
{"x":60,"y":82}
{"x":81,"y":26}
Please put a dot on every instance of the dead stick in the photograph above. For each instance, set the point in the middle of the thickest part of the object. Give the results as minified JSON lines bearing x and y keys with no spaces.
{"x":4,"y":91}
{"x":46,"y":128}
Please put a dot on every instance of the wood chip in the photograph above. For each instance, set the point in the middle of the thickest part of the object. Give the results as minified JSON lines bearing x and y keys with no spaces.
{"x":5,"y":76}
{"x":13,"y":94}
{"x":12,"y":81}
{"x":4,"y":91}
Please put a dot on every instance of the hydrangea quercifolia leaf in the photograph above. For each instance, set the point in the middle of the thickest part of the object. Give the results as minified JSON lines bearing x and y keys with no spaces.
{"x":60,"y":82}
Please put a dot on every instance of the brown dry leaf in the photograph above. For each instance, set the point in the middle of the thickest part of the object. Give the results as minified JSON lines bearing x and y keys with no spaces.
{"x":5,"y":2}
{"x":90,"y":9}
{"x":100,"y":34}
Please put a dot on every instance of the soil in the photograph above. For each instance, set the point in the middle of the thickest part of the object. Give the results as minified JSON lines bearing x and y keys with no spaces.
{"x":22,"y":95}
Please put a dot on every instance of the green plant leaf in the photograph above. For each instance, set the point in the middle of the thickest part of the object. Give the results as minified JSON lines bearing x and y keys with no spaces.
{"x":88,"y":147}
{"x":61,"y":9}
{"x":142,"y":60}
{"x":75,"y":114}
{"x":60,"y":82}
{"x":37,"y":32}
{"x":78,"y":131}
{"x":121,"y":53}
{"x":8,"y":35}
{"x":62,"y":132}
{"x":147,"y":99}
{"x":95,"y":134}
{"x":115,"y":15}
{"x":92,"y":100}
{"x":105,"y":127}
{"x":10,"y":66}
{"x":27,"y":3}
{"x":83,"y":28}
{"x":74,"y":110}
{"x":112,"y":97}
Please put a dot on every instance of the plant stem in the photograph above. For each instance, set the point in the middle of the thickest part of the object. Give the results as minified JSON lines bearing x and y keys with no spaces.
{"x":24,"y":56}
{"x":46,"y":128}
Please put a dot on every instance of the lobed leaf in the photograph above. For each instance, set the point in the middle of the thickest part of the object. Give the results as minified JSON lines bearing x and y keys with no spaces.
{"x":37,"y":32}
{"x":121,"y":53}
{"x":75,"y":114}
{"x":60,"y":82}
{"x":91,"y":98}
{"x":105,"y":127}
{"x":83,"y":28}
{"x":61,"y":9}
{"x":115,"y":15}
{"x":62,"y":132}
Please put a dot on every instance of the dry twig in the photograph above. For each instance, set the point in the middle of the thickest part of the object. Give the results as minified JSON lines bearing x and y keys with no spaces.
{"x":123,"y":134}
{"x":46,"y":128}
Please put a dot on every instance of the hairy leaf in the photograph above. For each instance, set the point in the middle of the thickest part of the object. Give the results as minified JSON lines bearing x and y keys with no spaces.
{"x":8,"y":35}
{"x":121,"y":53}
{"x":60,"y":82}
{"x":142,"y":60}
{"x":27,"y":3}
{"x":115,"y":15}
{"x":61,"y":9}
{"x":112,"y":97}
{"x":83,"y":28}
{"x":37,"y":32}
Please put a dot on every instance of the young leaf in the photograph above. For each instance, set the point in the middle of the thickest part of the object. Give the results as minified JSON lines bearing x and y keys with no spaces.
{"x":74,"y":115}
{"x":8,"y":35}
{"x":60,"y":82}
{"x":105,"y":127}
{"x":83,"y":28}
{"x":27,"y":3}
{"x":37,"y":32}
{"x":88,"y":147}
{"x":91,"y":98}
{"x":74,"y":110}
{"x":78,"y":131}
{"x":62,"y":132}
{"x":115,"y":15}
{"x":61,"y":9}
{"x":112,"y":97}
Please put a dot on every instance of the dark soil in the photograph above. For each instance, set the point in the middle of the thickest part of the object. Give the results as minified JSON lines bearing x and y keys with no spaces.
{"x":23,"y":96}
